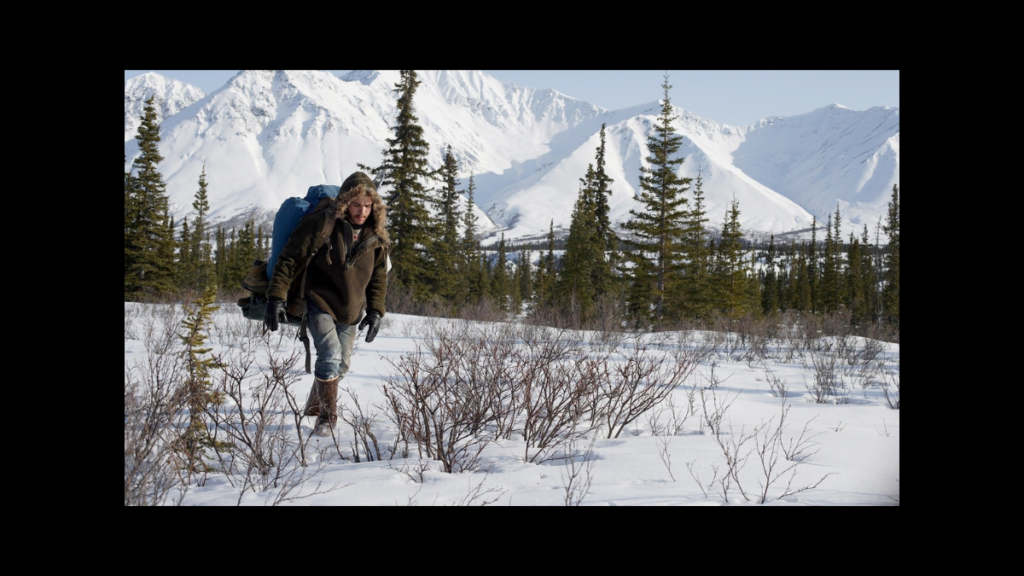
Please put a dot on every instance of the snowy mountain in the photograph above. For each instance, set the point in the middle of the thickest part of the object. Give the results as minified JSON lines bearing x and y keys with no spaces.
{"x":268,"y":135}
{"x":173,"y":96}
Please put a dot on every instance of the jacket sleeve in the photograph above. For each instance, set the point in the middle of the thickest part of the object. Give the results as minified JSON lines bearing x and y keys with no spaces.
{"x":377,"y":289}
{"x":292,"y":258}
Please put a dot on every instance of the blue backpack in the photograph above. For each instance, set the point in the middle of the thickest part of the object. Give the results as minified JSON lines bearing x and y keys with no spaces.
{"x":290,"y":213}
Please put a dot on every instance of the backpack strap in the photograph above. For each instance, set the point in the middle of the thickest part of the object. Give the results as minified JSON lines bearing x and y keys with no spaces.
{"x":305,"y":340}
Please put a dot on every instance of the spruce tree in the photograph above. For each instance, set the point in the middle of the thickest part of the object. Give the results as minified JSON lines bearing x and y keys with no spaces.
{"x":829,"y":271}
{"x":404,"y":168}
{"x":221,"y":257}
{"x":868,"y":278}
{"x":185,"y":269}
{"x":198,"y":384}
{"x":499,"y":277}
{"x":473,"y":275}
{"x":201,"y":250}
{"x":525,"y":277}
{"x":813,"y":269}
{"x":445,"y":253}
{"x":582,"y":249}
{"x":607,"y":241}
{"x":544,"y":285}
{"x":695,"y":297}
{"x":769,"y":294}
{"x":195,"y":254}
{"x":151,"y":239}
{"x":657,"y":227}
{"x":132,"y":235}
{"x":738,"y":289}
{"x":801,"y":282}
{"x":855,"y":297}
{"x":891,"y":292}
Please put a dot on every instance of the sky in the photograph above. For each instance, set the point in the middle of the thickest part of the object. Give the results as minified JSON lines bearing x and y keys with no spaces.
{"x":794,"y":445}
{"x":734,"y":97}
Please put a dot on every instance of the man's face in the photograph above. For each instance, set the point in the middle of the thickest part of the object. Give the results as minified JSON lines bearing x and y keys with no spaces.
{"x":359,"y":210}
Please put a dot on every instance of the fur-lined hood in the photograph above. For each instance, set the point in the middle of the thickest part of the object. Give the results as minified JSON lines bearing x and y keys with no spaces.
{"x":356,"y":185}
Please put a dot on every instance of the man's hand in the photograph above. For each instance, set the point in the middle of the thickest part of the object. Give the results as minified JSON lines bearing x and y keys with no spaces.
{"x":372,"y":319}
{"x":275,"y":314}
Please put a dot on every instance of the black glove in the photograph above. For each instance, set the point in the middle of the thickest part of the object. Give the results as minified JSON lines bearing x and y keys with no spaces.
{"x":275,"y":314}
{"x":372,"y":319}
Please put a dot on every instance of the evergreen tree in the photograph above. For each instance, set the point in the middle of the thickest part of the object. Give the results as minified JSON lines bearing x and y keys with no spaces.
{"x":474,"y":276}
{"x":242,"y":253}
{"x":856,"y":298}
{"x":738,"y":289}
{"x":445,"y":253}
{"x":891,"y":292}
{"x":607,"y":242}
{"x":499,"y":278}
{"x":575,"y":285}
{"x":695,"y":299}
{"x":186,"y":267}
{"x":196,"y":253}
{"x":656,"y":229}
{"x":515,"y":295}
{"x":813,"y":270}
{"x":544,"y":285}
{"x":404,"y":167}
{"x":829,"y":271}
{"x":769,"y":294}
{"x":199,"y":386}
{"x":221,"y":259}
{"x":150,"y":241}
{"x":132,"y":235}
{"x":525,"y":276}
{"x":801,"y":283}
{"x":868,"y":279}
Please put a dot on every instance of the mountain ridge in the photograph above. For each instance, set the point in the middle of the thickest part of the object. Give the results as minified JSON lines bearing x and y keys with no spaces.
{"x":268,"y":135}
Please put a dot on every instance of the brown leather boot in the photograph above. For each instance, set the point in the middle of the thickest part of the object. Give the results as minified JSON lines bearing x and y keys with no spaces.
{"x":313,"y":401}
{"x":327,"y":415}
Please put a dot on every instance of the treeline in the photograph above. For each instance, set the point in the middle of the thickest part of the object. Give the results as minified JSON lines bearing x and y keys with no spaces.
{"x":664,"y":267}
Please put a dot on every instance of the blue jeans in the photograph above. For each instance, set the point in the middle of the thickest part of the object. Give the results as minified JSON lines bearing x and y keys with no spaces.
{"x":333,"y":342}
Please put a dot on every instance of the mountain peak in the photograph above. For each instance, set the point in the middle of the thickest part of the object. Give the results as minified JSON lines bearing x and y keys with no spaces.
{"x":172,"y":96}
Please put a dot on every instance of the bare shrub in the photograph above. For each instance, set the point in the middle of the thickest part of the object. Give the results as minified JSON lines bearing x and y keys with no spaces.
{"x":154,"y":401}
{"x":768,"y":446}
{"x":477,"y":496}
{"x":263,"y":458}
{"x":754,"y":335}
{"x":696,"y":477}
{"x":665,"y":455}
{"x":485,"y":309}
{"x":557,"y":383}
{"x":415,"y":472}
{"x":891,"y":385}
{"x":131,"y":314}
{"x":642,"y":380}
{"x":364,"y":440}
{"x":723,"y":328}
{"x":802,"y":447}
{"x":578,"y":474}
{"x":713,"y":408}
{"x":778,"y":386}
{"x":824,"y":381}
{"x":735,"y":460}
{"x":435,"y":405}
{"x":700,"y":345}
{"x":676,"y":416}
